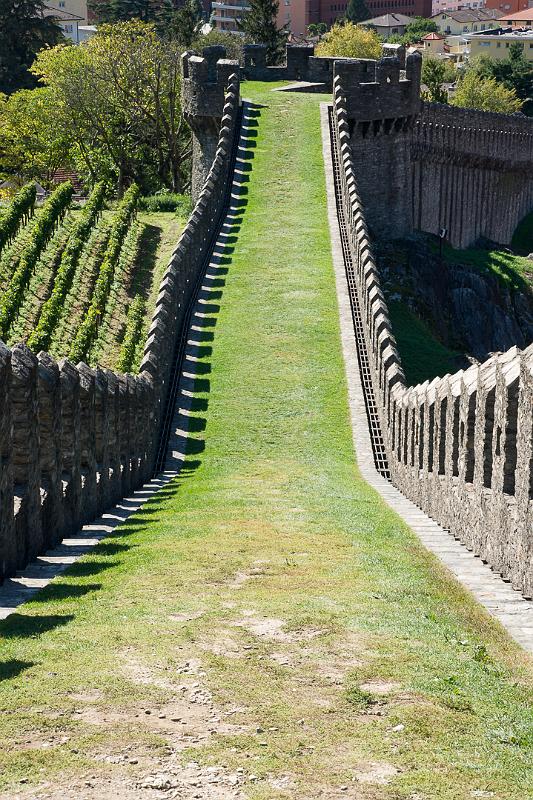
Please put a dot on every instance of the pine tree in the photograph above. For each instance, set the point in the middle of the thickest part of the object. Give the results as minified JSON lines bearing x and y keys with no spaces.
{"x":24,"y":30}
{"x":357,"y":11}
{"x":158,"y":11}
{"x":259,"y":23}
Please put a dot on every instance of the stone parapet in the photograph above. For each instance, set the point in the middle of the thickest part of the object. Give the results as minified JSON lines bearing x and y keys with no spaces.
{"x":75,"y":440}
{"x":460,"y":446}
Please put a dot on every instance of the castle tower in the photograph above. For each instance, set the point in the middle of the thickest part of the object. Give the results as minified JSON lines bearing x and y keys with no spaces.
{"x":205,"y":79}
{"x":383,"y":103}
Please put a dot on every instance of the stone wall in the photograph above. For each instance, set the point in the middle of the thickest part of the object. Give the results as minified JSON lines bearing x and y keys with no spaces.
{"x":466,"y":166}
{"x":434,"y":166}
{"x":460,"y":447}
{"x":74,"y":440}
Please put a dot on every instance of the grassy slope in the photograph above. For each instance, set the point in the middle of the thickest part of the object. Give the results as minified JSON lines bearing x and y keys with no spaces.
{"x":270,"y":521}
{"x":423,"y":356}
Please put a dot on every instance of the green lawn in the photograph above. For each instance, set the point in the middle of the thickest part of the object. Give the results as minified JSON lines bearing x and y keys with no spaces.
{"x":266,"y":612}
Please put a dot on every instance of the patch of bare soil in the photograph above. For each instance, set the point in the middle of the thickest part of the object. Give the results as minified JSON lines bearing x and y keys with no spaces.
{"x":374,"y":773}
{"x":273,"y":629}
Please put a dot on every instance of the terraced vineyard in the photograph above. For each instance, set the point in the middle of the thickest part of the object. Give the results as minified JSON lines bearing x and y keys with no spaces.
{"x":82,"y":282}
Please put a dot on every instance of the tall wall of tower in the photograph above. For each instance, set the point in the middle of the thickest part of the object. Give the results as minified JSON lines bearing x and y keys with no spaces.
{"x":205,"y":80}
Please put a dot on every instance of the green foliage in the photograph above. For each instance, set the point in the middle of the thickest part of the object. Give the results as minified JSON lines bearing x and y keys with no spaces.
{"x":418,"y":28}
{"x":514,"y":72}
{"x":52,"y":309}
{"x":123,"y":10}
{"x":18,"y":211}
{"x":233,"y":42}
{"x":357,"y":11}
{"x":522,"y":242}
{"x":89,"y":327}
{"x":485,"y":94}
{"x":186,"y":22}
{"x":423,"y":356}
{"x":134,"y":327}
{"x":118,"y":99}
{"x":52,"y":211}
{"x":350,"y":41}
{"x":434,"y":74}
{"x":259,"y":23}
{"x":24,"y":30}
{"x":166,"y":201}
{"x":32,"y":144}
{"x":317,"y":29}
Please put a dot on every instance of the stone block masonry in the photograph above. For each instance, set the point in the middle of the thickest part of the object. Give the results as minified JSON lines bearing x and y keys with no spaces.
{"x":74,"y":440}
{"x":460,"y":447}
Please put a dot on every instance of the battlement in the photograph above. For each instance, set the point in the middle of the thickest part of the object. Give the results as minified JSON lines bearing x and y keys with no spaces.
{"x":380,"y":90}
{"x":205,"y":79}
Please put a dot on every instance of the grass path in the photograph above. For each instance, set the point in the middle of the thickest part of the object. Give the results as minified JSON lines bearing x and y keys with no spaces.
{"x":265,"y":628}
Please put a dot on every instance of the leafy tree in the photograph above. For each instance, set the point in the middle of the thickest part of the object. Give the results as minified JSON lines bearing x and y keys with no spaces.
{"x":233,"y":42}
{"x":317,"y":28}
{"x":350,"y":41}
{"x":436,"y":72}
{"x":357,"y":11}
{"x":514,"y":72}
{"x":259,"y":23}
{"x":118,"y":97}
{"x":485,"y":94}
{"x":417,"y":29}
{"x":24,"y":30}
{"x":32,"y":144}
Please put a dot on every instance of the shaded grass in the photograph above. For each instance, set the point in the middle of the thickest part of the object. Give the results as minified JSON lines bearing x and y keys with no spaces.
{"x":423,"y":356}
{"x":512,"y":271}
{"x":271,"y":479}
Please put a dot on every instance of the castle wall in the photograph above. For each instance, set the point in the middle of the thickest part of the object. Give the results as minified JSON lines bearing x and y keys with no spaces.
{"x":460,"y":447}
{"x":74,"y":440}
{"x":466,"y":167}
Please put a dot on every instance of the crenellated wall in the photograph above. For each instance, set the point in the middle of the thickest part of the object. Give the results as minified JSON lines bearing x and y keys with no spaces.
{"x":74,"y":440}
{"x":460,"y":447}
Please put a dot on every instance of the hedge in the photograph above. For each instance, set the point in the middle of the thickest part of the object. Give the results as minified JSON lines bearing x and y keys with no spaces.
{"x":52,"y":309}
{"x":134,"y":325}
{"x":52,"y":211}
{"x":89,"y":326}
{"x":19,"y":210}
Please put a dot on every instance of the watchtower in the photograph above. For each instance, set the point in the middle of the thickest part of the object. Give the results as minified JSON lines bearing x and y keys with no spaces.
{"x":205,"y":79}
{"x":383,"y":103}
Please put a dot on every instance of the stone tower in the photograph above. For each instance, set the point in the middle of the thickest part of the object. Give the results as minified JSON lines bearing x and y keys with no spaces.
{"x":383,"y":103}
{"x":205,"y":79}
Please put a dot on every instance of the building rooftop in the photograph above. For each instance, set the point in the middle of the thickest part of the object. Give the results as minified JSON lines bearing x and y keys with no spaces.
{"x":388,"y":20}
{"x":512,"y":34}
{"x":60,"y":14}
{"x":471,"y":15}
{"x":518,"y":16}
{"x":432,"y":36}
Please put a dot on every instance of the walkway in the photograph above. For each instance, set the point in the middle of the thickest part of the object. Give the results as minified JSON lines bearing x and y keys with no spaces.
{"x":265,"y":627}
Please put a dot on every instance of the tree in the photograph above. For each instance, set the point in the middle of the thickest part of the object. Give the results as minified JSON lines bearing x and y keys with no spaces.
{"x":350,"y":41}
{"x":357,"y":11}
{"x":118,"y":96}
{"x":417,"y":29}
{"x":317,"y":29}
{"x":157,"y":11}
{"x":485,"y":94}
{"x":32,"y":144}
{"x":185,"y":23}
{"x":233,"y":42}
{"x":436,"y":72}
{"x":24,"y":30}
{"x":514,"y":72}
{"x":259,"y":23}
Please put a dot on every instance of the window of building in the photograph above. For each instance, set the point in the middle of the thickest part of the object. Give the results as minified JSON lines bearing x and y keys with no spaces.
{"x":484,"y":44}
{"x":61,"y":4}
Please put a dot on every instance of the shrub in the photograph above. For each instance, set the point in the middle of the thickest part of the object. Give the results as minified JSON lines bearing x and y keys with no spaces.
{"x":52,"y":211}
{"x":485,"y":94}
{"x":51,"y":311}
{"x":166,"y":202}
{"x":134,"y":325}
{"x":89,"y":327}
{"x":19,"y":210}
{"x":350,"y":41}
